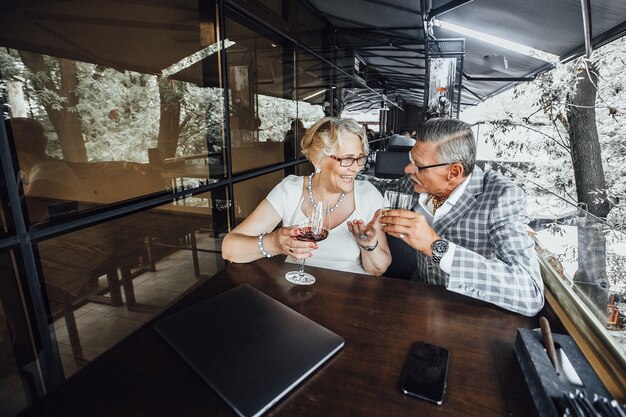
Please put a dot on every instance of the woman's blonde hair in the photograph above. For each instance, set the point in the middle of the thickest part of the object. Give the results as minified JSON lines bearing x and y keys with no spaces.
{"x":324,"y":137}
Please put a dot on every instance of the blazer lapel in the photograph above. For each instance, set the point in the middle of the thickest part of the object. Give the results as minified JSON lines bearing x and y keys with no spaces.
{"x":463,"y":205}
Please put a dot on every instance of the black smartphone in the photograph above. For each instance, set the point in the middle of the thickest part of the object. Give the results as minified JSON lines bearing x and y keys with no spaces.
{"x":425,"y":372}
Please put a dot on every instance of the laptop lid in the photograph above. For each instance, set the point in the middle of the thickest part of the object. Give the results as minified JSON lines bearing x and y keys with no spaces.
{"x":251,"y":349}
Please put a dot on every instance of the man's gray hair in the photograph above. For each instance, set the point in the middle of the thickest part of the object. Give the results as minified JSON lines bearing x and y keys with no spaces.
{"x":455,"y":138}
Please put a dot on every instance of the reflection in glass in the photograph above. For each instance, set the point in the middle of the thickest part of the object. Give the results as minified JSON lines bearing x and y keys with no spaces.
{"x":313,"y":86}
{"x":122,"y":273}
{"x":3,"y":217}
{"x":260,"y":77}
{"x":93,"y":122}
{"x":17,"y":359}
{"x":263,"y":104}
{"x":304,"y":169}
{"x":588,"y":255}
{"x":116,"y":135}
{"x":248,"y":194}
{"x":313,"y":30}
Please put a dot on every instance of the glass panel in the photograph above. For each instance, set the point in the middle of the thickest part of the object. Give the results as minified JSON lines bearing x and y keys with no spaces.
{"x":6,"y":222}
{"x":124,"y":272}
{"x":18,"y":368}
{"x":248,"y":194}
{"x":275,"y":6}
{"x":314,"y":90}
{"x":589,"y":255}
{"x":314,"y":30}
{"x":102,"y":127}
{"x":3,"y":217}
{"x":304,"y":169}
{"x":585,"y":254}
{"x":312,"y":93}
{"x":266,"y":120}
{"x":261,"y":92}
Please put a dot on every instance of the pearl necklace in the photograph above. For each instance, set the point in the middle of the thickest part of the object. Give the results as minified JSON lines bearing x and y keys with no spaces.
{"x":310,"y":187}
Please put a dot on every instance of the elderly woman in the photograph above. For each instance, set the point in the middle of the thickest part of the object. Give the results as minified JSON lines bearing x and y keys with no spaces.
{"x":337,"y":148}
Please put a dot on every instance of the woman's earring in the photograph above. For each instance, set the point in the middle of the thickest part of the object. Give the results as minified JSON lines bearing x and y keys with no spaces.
{"x":318,"y":170}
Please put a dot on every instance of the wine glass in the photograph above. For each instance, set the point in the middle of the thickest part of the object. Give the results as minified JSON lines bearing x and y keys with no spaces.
{"x":314,"y":224}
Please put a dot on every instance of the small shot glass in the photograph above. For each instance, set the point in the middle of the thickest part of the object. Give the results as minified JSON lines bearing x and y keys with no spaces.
{"x":397,"y":200}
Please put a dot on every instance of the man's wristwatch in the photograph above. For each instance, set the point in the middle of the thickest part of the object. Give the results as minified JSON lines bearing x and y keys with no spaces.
{"x":439,"y":248}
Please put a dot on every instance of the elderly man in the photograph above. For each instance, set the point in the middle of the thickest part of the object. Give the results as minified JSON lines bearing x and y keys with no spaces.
{"x":468,"y":227}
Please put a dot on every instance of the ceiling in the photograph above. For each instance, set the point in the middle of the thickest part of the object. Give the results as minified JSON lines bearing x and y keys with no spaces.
{"x":137,"y":35}
{"x":390,"y":36}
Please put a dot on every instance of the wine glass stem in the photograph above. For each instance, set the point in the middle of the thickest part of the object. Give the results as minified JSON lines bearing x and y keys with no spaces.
{"x":301,"y":273}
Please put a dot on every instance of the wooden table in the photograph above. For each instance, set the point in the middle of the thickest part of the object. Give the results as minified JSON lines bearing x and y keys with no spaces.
{"x":379,"y":319}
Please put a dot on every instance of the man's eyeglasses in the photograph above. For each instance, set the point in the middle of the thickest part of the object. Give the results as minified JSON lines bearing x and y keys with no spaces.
{"x":348,"y":161}
{"x":417,"y":169}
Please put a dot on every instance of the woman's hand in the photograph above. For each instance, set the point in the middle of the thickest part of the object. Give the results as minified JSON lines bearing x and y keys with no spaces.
{"x":365,"y":233}
{"x":285,"y":238}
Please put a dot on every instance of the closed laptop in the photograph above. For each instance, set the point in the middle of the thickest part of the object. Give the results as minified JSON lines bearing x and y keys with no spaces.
{"x":251,"y":349}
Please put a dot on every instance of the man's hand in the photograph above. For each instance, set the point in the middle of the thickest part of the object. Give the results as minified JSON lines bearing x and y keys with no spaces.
{"x":411,"y":227}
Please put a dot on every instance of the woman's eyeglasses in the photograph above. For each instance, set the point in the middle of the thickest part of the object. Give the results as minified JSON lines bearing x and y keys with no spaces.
{"x":348,"y":161}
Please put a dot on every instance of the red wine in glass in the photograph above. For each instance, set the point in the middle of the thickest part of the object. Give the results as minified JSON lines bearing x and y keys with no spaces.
{"x":308,"y":234}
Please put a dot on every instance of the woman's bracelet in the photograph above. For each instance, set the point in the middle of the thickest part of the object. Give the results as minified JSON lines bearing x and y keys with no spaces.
{"x":368,"y":248}
{"x":261,"y":248}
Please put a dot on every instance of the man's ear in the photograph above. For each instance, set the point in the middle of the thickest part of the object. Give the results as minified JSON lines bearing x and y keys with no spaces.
{"x":455,"y":172}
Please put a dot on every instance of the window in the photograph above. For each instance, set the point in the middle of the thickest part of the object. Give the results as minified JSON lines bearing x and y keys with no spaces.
{"x":583,"y":262}
{"x":122,"y":273}
{"x":17,"y":355}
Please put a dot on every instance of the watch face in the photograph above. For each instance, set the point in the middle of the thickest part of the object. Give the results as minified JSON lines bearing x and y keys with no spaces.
{"x":440,"y":247}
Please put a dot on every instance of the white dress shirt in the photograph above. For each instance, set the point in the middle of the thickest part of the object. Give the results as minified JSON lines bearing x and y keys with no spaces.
{"x":426,"y":208}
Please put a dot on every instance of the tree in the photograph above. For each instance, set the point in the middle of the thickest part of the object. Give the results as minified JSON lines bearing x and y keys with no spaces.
{"x":56,"y":82}
{"x":570,"y":124}
{"x":169,"y":120}
{"x":567,"y":103}
{"x":579,"y":121}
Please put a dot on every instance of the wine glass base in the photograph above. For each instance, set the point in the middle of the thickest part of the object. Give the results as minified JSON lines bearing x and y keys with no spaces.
{"x":300,"y":278}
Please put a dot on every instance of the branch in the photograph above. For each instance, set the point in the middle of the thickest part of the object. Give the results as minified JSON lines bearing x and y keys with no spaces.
{"x":619,"y":152}
{"x":560,"y":143}
{"x":578,"y":106}
{"x":532,"y":114}
{"x":184,"y":122}
{"x":574,"y":202}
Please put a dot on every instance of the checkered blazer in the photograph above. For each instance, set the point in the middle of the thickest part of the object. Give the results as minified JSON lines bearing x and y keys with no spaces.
{"x":494,"y":259}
